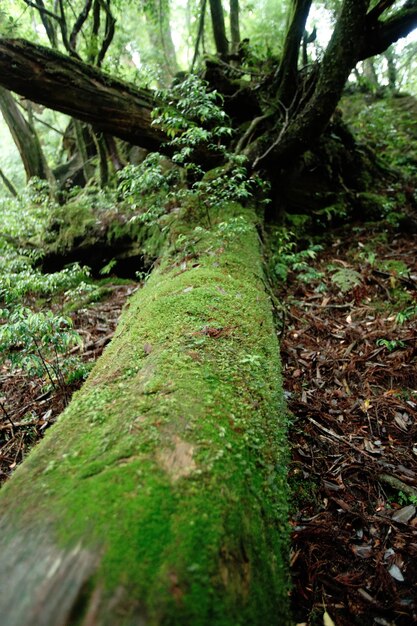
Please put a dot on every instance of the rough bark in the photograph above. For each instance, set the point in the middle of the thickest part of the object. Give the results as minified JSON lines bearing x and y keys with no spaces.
{"x":302,"y":130}
{"x":24,"y":137}
{"x":159,"y":496}
{"x":77,"y":89}
{"x":382,"y":33}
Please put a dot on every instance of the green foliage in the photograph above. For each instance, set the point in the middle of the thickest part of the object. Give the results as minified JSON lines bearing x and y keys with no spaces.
{"x":405,"y":498}
{"x":19,"y":278}
{"x":390,"y":344}
{"x":38,"y":343}
{"x":406,"y":314}
{"x":286,"y":258}
{"x":390,"y":127}
{"x":233,"y":228}
{"x":147,"y":188}
{"x":345,"y":278}
{"x":192,"y":117}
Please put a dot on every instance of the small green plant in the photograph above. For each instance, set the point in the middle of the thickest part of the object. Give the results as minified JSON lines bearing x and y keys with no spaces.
{"x":19,"y":278}
{"x":148,"y":188}
{"x":233,"y":228}
{"x":193,"y":119}
{"x":345,"y":278}
{"x":404,"y":498}
{"x":390,"y":344}
{"x":39,"y":344}
{"x":286,"y":258}
{"x":407,"y":314}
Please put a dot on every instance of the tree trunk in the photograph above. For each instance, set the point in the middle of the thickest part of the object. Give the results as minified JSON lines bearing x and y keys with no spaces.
{"x":219,"y":28}
{"x":234,"y":25}
{"x":70,"y":86}
{"x":287,"y":79}
{"x":8,"y":184}
{"x":302,"y":130}
{"x":159,"y":496}
{"x":24,"y":137}
{"x":157,"y":15}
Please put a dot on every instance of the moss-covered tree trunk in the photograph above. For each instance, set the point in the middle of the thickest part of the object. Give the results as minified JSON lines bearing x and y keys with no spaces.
{"x":159,"y":496}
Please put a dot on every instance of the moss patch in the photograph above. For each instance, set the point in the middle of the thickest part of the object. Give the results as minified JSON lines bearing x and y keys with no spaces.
{"x":171,"y":461}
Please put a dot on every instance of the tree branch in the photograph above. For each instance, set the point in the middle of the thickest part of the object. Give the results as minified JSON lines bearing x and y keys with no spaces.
{"x":45,"y":16}
{"x":200,"y":32}
{"x":380,"y":8}
{"x":339,"y":59}
{"x":219,"y":29}
{"x":109,"y":34}
{"x":287,"y":72}
{"x":79,"y":22}
{"x":380,"y":35}
{"x":42,"y":10}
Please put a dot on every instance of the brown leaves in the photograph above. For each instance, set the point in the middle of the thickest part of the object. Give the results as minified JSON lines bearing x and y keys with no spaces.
{"x":32,"y":409}
{"x":355,"y":422}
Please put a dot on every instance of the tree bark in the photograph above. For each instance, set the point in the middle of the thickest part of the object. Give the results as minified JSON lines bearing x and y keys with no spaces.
{"x":219,"y":28}
{"x":79,"y":90}
{"x":24,"y":137}
{"x":287,"y":79}
{"x":234,"y":25}
{"x":159,"y":496}
{"x":303,"y":129}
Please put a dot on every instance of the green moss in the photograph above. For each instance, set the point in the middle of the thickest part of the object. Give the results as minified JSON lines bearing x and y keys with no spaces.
{"x":171,"y":460}
{"x":69,"y":223}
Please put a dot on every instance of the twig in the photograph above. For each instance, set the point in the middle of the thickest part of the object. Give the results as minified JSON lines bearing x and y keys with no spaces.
{"x":3,"y":408}
{"x":281,"y":133}
{"x":339,"y":438}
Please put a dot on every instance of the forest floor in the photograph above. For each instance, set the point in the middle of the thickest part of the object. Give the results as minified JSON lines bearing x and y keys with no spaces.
{"x":349,"y":355}
{"x":350,"y":370}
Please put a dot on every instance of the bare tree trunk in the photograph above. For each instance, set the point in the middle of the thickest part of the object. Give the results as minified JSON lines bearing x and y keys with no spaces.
{"x":234,"y":25}
{"x":157,"y":16}
{"x":8,"y":184}
{"x":392,"y":69}
{"x":370,"y":74}
{"x":79,"y":90}
{"x":300,"y":131}
{"x":25,"y":138}
{"x":200,"y":33}
{"x":219,"y":29}
{"x":287,"y":78}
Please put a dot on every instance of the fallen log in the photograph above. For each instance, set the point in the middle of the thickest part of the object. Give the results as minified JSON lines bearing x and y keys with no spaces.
{"x":159,"y":497}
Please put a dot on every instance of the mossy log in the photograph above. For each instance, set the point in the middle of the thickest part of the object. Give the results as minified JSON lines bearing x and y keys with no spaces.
{"x":159,"y":497}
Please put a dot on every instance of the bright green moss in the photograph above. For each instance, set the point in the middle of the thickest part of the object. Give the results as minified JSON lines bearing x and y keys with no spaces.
{"x":170,"y":462}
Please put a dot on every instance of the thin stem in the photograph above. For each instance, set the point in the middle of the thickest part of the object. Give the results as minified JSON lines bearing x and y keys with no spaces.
{"x":3,"y":408}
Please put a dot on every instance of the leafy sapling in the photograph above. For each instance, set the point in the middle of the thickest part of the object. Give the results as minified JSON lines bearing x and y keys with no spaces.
{"x":39,"y":344}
